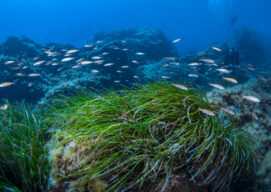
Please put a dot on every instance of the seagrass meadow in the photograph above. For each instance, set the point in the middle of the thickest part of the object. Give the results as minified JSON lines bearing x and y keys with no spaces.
{"x":137,"y":139}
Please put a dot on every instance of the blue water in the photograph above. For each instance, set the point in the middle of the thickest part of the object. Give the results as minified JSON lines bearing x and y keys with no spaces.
{"x":199,"y":22}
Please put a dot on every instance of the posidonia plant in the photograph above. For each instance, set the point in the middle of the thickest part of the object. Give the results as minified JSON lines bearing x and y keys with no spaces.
{"x":142,"y":135}
{"x":24,"y":166}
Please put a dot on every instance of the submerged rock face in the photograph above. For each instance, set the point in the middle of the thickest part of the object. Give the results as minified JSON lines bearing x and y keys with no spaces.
{"x":254,"y":117}
{"x":20,"y":47}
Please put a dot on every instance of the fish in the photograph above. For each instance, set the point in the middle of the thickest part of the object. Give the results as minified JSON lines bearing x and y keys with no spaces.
{"x":231,"y":80}
{"x":88,"y":46}
{"x":255,"y":115}
{"x":94,"y":71}
{"x":38,"y":63}
{"x":33,"y":74}
{"x":86,"y":62}
{"x":165,"y":77}
{"x":4,"y":107}
{"x":217,"y":49}
{"x":174,"y":63}
{"x":99,"y":41}
{"x":176,"y":40}
{"x":207,"y":112}
{"x":207,"y":60}
{"x":75,"y":66}
{"x":194,"y":64}
{"x":251,"y":98}
{"x":6,"y":84}
{"x":125,"y":49}
{"x":192,"y":75}
{"x":134,"y":61}
{"x":180,"y":86}
{"x":169,"y":58}
{"x":72,"y":51}
{"x":79,"y":60}
{"x":140,"y":53}
{"x":217,"y":86}
{"x":124,"y":66}
{"x":108,"y":64}
{"x":20,"y":74}
{"x":9,"y":62}
{"x":226,"y":71}
{"x":136,"y":77}
{"x":262,"y":79}
{"x":227,"y":111}
{"x":50,"y":53}
{"x":96,"y":57}
{"x":99,"y":62}
{"x":251,"y":68}
{"x":67,"y":59}
{"x":117,"y":81}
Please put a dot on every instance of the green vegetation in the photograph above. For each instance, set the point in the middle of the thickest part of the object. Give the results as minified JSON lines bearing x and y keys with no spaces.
{"x":23,"y":154}
{"x":136,"y":137}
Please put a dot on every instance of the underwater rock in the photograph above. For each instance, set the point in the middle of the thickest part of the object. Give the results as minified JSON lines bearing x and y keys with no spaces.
{"x":253,"y":117}
{"x":151,"y":42}
{"x":20,"y":47}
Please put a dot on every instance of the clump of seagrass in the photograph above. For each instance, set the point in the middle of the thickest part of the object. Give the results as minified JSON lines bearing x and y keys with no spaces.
{"x":136,"y":137}
{"x":24,"y":166}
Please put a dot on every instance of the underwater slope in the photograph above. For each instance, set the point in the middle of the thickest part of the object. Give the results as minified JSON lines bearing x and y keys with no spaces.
{"x":43,"y":73}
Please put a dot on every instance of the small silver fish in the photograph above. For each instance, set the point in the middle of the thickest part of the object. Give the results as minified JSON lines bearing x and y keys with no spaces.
{"x":134,"y":61}
{"x":125,"y":66}
{"x":88,"y":46}
{"x":94,"y":71}
{"x":223,"y":71}
{"x":230,"y":80}
{"x":108,"y":64}
{"x":67,"y":59}
{"x":255,"y":116}
{"x":33,"y":74}
{"x":86,"y":62}
{"x":38,"y":63}
{"x":4,"y":107}
{"x":194,"y":64}
{"x":72,"y":51}
{"x":140,"y":53}
{"x":192,"y":75}
{"x":207,"y":112}
{"x":176,"y":40}
{"x":227,"y":111}
{"x":180,"y":86}
{"x":6,"y":84}
{"x":96,"y":57}
{"x":207,"y":60}
{"x":216,"y":49}
{"x":9,"y":62}
{"x":251,"y":98}
{"x":217,"y":86}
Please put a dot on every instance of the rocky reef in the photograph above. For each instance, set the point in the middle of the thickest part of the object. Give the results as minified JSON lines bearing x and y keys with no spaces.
{"x":254,"y":117}
{"x":111,"y":59}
